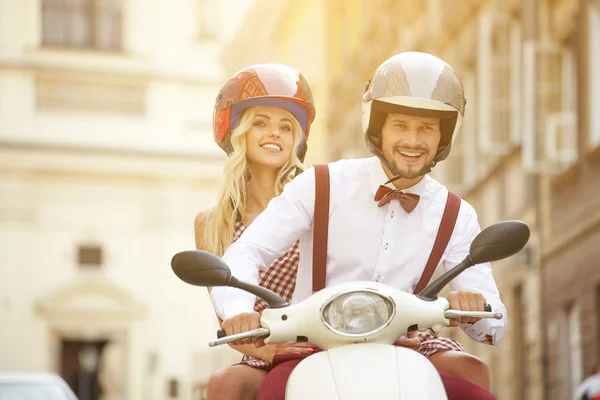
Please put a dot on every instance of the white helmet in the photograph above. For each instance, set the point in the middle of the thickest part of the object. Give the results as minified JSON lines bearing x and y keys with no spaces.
{"x":416,"y":84}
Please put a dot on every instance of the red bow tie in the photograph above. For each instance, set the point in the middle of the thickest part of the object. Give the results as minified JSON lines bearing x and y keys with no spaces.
{"x":408,"y":201}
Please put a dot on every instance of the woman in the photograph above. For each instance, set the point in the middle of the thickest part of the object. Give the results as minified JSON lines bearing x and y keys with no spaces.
{"x":261,"y":120}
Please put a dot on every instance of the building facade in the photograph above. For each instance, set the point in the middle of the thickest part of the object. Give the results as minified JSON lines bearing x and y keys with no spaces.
{"x":571,"y":277}
{"x":106,"y":156}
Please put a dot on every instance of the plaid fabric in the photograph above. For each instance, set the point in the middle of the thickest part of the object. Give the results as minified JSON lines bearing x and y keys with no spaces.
{"x":281,"y":275}
{"x":431,"y":344}
{"x":254,"y":363}
{"x":279,"y":278}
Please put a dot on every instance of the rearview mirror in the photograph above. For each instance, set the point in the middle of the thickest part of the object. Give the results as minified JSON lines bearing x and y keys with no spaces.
{"x":499,"y":241}
{"x":494,"y":243}
{"x":200,"y":268}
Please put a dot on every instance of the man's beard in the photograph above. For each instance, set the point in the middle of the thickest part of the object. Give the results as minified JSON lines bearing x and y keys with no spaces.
{"x":406,"y":172}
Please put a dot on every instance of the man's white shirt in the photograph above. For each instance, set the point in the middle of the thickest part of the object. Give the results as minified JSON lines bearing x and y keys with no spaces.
{"x":366,"y":242}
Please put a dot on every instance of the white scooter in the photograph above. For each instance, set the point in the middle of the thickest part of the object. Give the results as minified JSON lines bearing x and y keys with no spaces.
{"x":356,"y":324}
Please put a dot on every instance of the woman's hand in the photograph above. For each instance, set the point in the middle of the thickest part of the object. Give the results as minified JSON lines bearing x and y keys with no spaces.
{"x":269,"y":351}
{"x":410,"y":341}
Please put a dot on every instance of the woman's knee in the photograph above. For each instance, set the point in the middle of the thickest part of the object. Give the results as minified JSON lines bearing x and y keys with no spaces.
{"x":238,"y":382}
{"x":479,"y":371}
{"x":465,"y":365}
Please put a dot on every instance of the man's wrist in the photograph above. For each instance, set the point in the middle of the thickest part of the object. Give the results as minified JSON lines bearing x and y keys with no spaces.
{"x":235,"y":307}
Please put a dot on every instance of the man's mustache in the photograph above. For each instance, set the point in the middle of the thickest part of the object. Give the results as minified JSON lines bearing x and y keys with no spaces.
{"x":400,"y":146}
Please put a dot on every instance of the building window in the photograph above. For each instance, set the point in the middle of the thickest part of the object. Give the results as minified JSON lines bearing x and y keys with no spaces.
{"x":520,"y":347}
{"x":575,"y":358}
{"x":460,"y":169}
{"x":89,"y":256}
{"x":550,"y":129}
{"x":454,"y":166}
{"x":499,"y":86}
{"x":569,"y":350}
{"x":173,"y":388}
{"x":594,"y":55}
{"x":83,"y":24}
{"x":598,"y":324}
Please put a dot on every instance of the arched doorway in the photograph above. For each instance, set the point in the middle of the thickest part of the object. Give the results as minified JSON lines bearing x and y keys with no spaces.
{"x":90,"y":326}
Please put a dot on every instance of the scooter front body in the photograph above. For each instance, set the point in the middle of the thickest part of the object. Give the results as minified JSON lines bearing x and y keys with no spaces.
{"x":365,"y":371}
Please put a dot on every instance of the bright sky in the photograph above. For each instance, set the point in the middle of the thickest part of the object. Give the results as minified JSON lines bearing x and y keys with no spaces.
{"x":235,"y":10}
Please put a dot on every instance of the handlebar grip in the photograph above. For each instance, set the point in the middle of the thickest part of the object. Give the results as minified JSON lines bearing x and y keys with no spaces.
{"x":221,"y":334}
{"x":254,"y":333}
{"x":487,"y":307}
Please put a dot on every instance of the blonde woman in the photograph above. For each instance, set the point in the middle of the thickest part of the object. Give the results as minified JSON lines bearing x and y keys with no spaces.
{"x":261,"y":120}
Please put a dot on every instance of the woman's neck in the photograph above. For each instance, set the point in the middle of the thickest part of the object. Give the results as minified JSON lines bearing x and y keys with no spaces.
{"x":261,"y":189}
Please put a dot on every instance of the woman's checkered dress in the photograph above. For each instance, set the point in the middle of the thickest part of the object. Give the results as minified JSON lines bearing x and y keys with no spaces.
{"x":281,"y":279}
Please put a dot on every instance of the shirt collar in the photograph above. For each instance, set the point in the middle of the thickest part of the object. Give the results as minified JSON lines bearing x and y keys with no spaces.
{"x":378,"y":178}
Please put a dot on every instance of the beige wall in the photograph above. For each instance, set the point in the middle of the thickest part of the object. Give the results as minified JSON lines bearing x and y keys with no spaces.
{"x":112,"y":149}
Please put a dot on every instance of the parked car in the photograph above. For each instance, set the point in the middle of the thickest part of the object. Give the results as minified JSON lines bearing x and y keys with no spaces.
{"x":34,"y":386}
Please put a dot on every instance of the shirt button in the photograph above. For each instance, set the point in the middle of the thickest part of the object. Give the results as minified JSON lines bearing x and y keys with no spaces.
{"x":392,"y":214}
{"x":386,"y":246}
{"x":378,"y":278}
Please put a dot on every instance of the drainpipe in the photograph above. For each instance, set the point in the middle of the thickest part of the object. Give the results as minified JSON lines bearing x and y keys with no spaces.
{"x":530,"y":29}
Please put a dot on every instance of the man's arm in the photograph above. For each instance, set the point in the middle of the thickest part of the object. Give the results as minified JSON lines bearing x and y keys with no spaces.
{"x":270,"y":236}
{"x":478,"y":278}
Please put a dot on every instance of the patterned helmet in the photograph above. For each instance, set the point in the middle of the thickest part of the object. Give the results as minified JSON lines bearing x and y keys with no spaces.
{"x":269,"y":85}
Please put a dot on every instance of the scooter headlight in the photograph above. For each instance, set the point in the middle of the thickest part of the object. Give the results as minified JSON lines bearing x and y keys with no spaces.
{"x":357,"y":313}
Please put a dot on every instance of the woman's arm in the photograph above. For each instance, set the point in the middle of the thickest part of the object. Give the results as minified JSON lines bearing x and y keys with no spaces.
{"x":265,"y":353}
{"x":271,"y":234}
{"x":250,"y":350}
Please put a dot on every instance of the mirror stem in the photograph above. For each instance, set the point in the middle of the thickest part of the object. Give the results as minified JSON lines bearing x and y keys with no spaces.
{"x":272,"y":299}
{"x":432,"y":290}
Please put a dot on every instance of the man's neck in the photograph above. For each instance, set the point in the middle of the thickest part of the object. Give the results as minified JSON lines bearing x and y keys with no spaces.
{"x":402,"y":183}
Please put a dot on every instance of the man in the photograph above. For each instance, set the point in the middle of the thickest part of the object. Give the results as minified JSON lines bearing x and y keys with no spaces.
{"x":413,"y":107}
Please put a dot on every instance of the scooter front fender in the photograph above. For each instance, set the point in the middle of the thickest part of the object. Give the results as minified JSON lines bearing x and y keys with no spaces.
{"x":366,"y":371}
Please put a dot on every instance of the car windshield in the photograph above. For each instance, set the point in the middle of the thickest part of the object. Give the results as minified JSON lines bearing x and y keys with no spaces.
{"x":31,"y":391}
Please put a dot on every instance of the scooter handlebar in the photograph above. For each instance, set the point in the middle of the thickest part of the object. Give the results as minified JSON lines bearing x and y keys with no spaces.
{"x":454,"y":314}
{"x":260,"y":332}
{"x":264,"y":332}
{"x":487,"y":313}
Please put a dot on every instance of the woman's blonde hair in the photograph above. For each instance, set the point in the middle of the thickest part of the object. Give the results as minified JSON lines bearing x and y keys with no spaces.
{"x":230,"y":208}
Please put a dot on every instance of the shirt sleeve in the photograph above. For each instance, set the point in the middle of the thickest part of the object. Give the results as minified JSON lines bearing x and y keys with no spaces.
{"x":269,"y":237}
{"x":478,"y":278}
